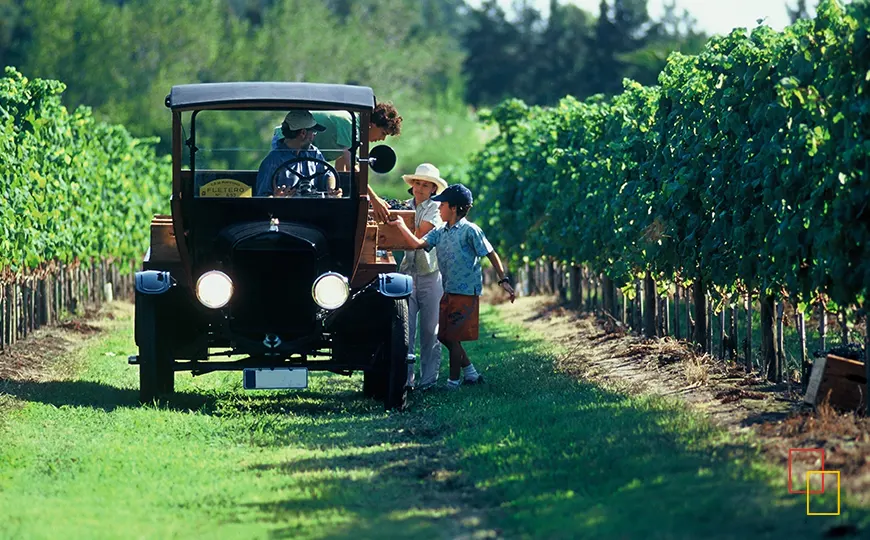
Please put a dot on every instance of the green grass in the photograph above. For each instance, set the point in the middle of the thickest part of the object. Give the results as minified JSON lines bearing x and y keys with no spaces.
{"x":530,"y":454}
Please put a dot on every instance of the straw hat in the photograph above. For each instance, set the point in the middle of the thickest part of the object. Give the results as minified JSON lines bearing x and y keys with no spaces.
{"x":429,"y":173}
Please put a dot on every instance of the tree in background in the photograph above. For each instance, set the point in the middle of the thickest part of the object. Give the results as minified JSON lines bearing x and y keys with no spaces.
{"x":675,"y":31}
{"x":798,"y":12}
{"x":603,"y":70}
{"x":430,"y":57}
{"x":122,"y":57}
{"x":12,"y":32}
{"x":493,"y":46}
{"x":540,"y":61}
{"x":563,"y":52}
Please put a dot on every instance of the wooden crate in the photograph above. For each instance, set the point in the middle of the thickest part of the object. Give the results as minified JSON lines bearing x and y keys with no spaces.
{"x":389,"y":237}
{"x":843,"y":379}
{"x":163,"y":246}
{"x":370,"y":245}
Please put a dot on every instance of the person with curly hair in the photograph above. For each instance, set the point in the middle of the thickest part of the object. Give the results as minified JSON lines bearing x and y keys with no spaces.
{"x":335,"y":141}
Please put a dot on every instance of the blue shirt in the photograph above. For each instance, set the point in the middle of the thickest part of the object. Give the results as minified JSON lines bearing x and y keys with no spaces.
{"x":460,"y":248}
{"x":274,"y":160}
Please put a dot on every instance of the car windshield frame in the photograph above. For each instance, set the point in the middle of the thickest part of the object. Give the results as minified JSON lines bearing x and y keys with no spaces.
{"x":189,"y":140}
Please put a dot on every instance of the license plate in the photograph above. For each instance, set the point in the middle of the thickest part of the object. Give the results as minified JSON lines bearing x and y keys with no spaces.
{"x":274,"y":378}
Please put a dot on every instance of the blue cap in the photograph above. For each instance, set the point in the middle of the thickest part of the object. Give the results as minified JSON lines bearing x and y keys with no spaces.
{"x":457,"y":195}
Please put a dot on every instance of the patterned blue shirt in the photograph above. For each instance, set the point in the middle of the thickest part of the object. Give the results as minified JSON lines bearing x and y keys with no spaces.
{"x":460,"y":248}
{"x":274,"y":160}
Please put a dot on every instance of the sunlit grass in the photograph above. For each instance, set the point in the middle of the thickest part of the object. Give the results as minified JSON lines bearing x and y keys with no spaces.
{"x":531,"y":453}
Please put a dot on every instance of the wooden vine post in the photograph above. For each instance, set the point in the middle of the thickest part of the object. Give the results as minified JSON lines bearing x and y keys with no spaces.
{"x":780,"y":342}
{"x":844,"y":326}
{"x":867,"y":356}
{"x":768,"y":337}
{"x":823,"y":327}
{"x":638,"y":309}
{"x":708,"y":311}
{"x":551,"y":275}
{"x":666,"y":314}
{"x":700,"y":300}
{"x":748,"y":351}
{"x":802,"y":338}
{"x":734,"y":338}
{"x":649,"y":305}
{"x":610,"y":296}
{"x":530,"y":278}
{"x":690,"y":327}
{"x":576,"y":288}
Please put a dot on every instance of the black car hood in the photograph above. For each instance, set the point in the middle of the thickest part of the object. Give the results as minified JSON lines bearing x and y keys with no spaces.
{"x":263,"y":236}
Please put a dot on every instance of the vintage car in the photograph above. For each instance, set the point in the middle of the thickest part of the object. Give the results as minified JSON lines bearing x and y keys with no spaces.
{"x":272,"y":286}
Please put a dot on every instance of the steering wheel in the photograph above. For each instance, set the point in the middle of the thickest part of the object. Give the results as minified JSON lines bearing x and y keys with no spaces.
{"x":302,"y":180}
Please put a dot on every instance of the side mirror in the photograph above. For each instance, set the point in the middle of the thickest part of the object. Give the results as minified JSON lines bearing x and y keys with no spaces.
{"x":381,"y":159}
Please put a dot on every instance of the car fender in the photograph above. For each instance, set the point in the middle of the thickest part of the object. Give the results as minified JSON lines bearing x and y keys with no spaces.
{"x":358,"y":316}
{"x":395,"y":285}
{"x":154,"y":281}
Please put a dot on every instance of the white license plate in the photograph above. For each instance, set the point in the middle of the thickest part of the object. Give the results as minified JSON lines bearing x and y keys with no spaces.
{"x":274,"y":378}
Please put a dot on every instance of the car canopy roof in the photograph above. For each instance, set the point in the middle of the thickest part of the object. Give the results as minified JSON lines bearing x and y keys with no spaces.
{"x":232,"y":94}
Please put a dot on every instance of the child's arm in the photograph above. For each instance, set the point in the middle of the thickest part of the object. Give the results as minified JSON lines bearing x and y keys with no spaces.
{"x":412,"y":241}
{"x":424,"y":228}
{"x":499,"y":268}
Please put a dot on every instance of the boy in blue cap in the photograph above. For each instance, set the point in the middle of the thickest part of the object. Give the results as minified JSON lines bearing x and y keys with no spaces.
{"x":460,"y":244}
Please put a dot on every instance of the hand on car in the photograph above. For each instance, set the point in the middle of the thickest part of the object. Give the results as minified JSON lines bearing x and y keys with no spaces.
{"x":284,"y":191}
{"x":380,"y":209}
{"x":397,"y":222}
{"x":334,"y":193}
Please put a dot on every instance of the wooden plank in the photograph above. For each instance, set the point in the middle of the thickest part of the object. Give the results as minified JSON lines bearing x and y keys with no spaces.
{"x":389,"y":236}
{"x":842,"y":379}
{"x":368,"y":271}
{"x":163,"y":246}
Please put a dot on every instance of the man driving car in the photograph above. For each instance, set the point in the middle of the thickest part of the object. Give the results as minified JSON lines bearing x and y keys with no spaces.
{"x":278,"y":179}
{"x":338,"y":136}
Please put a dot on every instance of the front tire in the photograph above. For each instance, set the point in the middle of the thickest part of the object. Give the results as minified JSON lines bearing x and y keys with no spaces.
{"x":156,"y":376}
{"x":373,"y":384}
{"x":396,"y":355}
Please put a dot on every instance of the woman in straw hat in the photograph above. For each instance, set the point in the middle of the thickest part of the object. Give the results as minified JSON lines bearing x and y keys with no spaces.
{"x":423,"y":267}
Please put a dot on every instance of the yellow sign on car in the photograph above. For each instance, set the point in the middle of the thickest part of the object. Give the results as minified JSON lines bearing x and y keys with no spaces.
{"x":225,"y":187}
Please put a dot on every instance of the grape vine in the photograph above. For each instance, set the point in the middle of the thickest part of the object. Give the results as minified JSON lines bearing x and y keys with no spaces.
{"x":747,"y":167}
{"x":72,"y":187}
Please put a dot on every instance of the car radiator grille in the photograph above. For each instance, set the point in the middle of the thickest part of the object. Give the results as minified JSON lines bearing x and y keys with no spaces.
{"x":273,"y":293}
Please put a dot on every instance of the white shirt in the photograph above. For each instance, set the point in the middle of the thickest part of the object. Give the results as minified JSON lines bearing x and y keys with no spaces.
{"x":420,"y":262}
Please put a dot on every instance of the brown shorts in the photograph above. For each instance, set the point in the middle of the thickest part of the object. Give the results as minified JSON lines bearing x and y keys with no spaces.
{"x":458,"y":317}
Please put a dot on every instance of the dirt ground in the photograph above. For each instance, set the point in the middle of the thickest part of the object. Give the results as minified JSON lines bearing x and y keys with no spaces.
{"x":599,"y":351}
{"x":31,"y":358}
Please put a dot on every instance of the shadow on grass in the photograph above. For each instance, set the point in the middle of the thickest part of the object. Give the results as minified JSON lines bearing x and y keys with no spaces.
{"x":77,"y":393}
{"x":106,"y":397}
{"x":535,"y":454}
{"x":542,"y":455}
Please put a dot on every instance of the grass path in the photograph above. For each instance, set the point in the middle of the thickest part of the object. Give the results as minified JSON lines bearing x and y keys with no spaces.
{"x":531,"y":454}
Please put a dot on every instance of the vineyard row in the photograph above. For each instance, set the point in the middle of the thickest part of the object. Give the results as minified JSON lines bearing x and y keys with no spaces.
{"x":745,"y":174}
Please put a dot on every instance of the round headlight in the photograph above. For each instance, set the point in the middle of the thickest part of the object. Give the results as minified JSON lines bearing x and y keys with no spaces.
{"x":214,"y":289}
{"x":330,"y":290}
